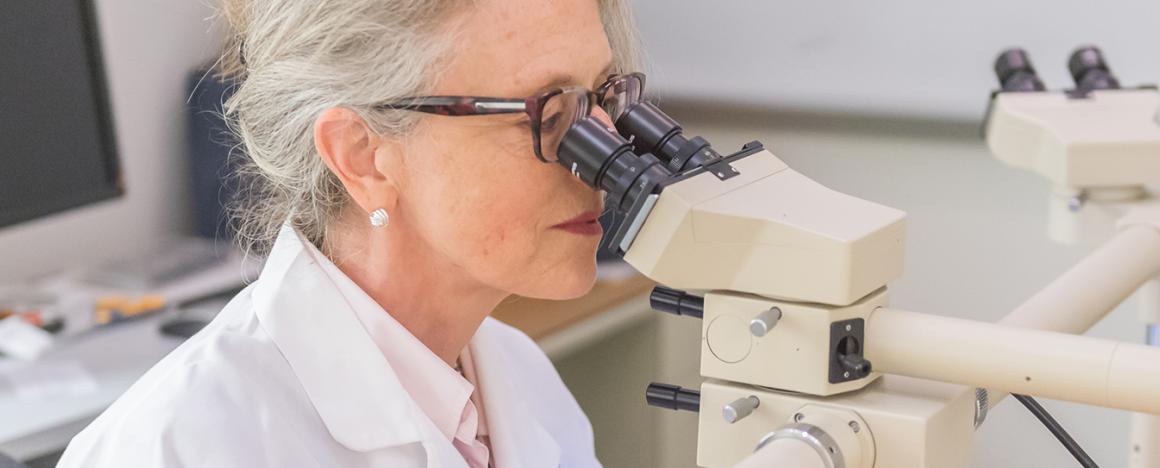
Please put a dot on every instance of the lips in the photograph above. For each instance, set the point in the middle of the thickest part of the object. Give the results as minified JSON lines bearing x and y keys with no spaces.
{"x":586,"y":217}
{"x":585,"y":224}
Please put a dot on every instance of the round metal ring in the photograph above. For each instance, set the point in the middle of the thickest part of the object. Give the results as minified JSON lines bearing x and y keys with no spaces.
{"x":813,"y":436}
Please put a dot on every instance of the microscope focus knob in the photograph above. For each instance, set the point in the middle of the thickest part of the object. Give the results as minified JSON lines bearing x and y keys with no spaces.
{"x":740,"y":408}
{"x":672,"y":397}
{"x":764,"y":322}
{"x":676,"y":302}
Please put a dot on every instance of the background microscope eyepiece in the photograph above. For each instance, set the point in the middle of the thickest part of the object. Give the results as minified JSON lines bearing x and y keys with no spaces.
{"x":604,"y":160}
{"x":1015,"y":72}
{"x":654,"y":132}
{"x":1090,"y":71}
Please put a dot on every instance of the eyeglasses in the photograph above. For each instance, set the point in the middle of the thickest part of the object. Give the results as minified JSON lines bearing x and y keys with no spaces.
{"x":551,"y":113}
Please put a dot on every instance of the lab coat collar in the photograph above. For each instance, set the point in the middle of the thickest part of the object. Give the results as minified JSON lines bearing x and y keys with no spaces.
{"x":345,"y":376}
{"x":518,"y":439}
{"x":353,"y":387}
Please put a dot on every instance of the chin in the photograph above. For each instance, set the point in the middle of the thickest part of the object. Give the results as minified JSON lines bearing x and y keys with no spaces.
{"x":566,"y":282}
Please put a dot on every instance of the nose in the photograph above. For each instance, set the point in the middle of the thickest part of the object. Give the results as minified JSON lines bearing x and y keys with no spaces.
{"x":599,"y":113}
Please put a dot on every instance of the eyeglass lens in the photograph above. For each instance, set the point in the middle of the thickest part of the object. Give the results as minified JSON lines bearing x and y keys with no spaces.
{"x":559,"y":113}
{"x":569,"y":106}
{"x":621,"y":94}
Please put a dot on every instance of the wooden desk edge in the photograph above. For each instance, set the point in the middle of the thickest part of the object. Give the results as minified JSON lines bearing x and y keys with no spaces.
{"x":540,"y":318}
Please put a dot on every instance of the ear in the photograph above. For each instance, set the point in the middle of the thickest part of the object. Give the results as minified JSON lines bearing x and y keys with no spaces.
{"x":349,"y":147}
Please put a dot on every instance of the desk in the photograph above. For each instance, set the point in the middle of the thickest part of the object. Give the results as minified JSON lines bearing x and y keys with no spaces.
{"x":562,"y":327}
{"x":119,"y":355}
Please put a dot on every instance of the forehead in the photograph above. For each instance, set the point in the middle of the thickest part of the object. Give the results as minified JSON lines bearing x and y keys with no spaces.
{"x":513,"y":47}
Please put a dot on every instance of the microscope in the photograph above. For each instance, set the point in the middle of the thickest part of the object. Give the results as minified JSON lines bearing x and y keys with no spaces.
{"x":1098,"y":144}
{"x":806,"y":365}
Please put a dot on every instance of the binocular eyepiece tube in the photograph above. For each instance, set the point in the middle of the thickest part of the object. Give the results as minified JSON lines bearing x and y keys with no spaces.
{"x":1015,"y":72}
{"x":605,"y":161}
{"x":1090,"y":71}
{"x":1086,"y":65}
{"x":655,"y":132}
{"x":630,"y":169}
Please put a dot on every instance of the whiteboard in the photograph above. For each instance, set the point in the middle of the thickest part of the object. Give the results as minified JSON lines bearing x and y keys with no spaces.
{"x":896,"y":57}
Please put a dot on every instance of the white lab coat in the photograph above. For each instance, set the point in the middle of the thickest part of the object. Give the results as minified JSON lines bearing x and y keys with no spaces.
{"x":287,"y":376}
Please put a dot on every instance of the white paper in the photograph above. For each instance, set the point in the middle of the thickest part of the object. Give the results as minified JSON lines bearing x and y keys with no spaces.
{"x":49,"y":379}
{"x":22,"y":340}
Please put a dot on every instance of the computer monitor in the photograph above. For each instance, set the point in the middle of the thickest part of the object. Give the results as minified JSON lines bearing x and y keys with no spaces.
{"x":57,"y":149}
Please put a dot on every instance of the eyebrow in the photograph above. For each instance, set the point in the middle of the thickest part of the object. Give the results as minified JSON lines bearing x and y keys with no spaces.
{"x":561,"y":79}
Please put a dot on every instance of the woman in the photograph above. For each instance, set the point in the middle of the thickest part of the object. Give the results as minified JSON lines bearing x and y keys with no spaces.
{"x":395,"y":231}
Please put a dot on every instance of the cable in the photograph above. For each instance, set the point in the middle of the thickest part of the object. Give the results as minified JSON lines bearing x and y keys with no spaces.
{"x":1056,"y":430}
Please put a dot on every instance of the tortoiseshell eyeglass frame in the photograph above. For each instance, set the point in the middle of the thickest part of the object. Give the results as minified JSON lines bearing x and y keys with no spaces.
{"x":533,"y":106}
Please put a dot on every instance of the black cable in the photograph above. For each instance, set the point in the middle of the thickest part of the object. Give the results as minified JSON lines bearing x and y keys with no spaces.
{"x":1056,"y":430}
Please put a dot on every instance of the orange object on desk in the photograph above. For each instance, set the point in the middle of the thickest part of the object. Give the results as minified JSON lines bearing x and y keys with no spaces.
{"x":111,"y":309}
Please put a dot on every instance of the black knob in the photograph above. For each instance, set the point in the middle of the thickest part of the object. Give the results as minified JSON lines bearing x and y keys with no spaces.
{"x":1090,"y":71}
{"x":672,"y":397}
{"x":856,"y":365}
{"x":1015,"y":72}
{"x":850,"y":358}
{"x":677,"y":302}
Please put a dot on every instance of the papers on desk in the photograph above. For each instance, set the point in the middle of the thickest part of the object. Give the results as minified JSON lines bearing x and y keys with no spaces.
{"x":44,"y":380}
{"x":22,"y":340}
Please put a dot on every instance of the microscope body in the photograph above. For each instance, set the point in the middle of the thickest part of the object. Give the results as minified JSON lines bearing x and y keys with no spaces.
{"x":789,"y":271}
{"x":790,"y":280}
{"x":1099,"y":140}
{"x":769,"y":231}
{"x":1098,"y":143}
{"x":767,"y":238}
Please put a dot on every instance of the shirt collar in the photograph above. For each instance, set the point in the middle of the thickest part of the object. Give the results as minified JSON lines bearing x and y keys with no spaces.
{"x":351,"y":385}
{"x":440,"y":391}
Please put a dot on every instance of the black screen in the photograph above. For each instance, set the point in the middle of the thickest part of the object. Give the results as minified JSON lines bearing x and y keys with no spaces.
{"x":56,"y":138}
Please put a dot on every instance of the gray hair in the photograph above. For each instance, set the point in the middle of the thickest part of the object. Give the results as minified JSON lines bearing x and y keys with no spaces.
{"x":292,"y":59}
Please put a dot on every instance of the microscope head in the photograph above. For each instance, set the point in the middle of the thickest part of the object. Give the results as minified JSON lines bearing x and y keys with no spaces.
{"x":770,"y":231}
{"x":745,"y":223}
{"x":1097,"y":136}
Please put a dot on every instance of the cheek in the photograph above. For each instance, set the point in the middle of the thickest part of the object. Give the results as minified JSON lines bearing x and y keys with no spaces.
{"x":506,"y":216}
{"x":487,"y":209}
{"x":490,"y":209}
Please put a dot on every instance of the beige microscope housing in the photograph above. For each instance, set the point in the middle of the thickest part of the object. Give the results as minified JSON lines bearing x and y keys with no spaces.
{"x":1101,"y":152}
{"x":807,"y":366}
{"x":1101,"y":147}
{"x":769,"y":231}
{"x":796,"y":326}
{"x":770,"y":239}
{"x":1106,"y":139}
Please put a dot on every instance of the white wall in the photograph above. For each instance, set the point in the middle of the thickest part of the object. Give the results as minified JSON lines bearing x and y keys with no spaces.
{"x":149,"y":46}
{"x":885,"y":56}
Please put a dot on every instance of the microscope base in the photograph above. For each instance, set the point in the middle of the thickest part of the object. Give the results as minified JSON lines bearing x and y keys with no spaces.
{"x":906,"y":422}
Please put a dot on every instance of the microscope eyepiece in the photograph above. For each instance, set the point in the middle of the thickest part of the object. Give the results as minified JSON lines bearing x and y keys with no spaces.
{"x":1015,"y":72}
{"x":604,"y":160}
{"x":654,"y":132}
{"x":1090,"y":71}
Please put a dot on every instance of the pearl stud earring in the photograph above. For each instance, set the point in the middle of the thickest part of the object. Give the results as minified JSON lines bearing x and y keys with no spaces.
{"x":380,"y":218}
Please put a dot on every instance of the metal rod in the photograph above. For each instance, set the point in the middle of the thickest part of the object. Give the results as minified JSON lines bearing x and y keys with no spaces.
{"x":1145,"y":448}
{"x":1091,"y":289}
{"x":1086,"y":293}
{"x":1007,"y":359}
